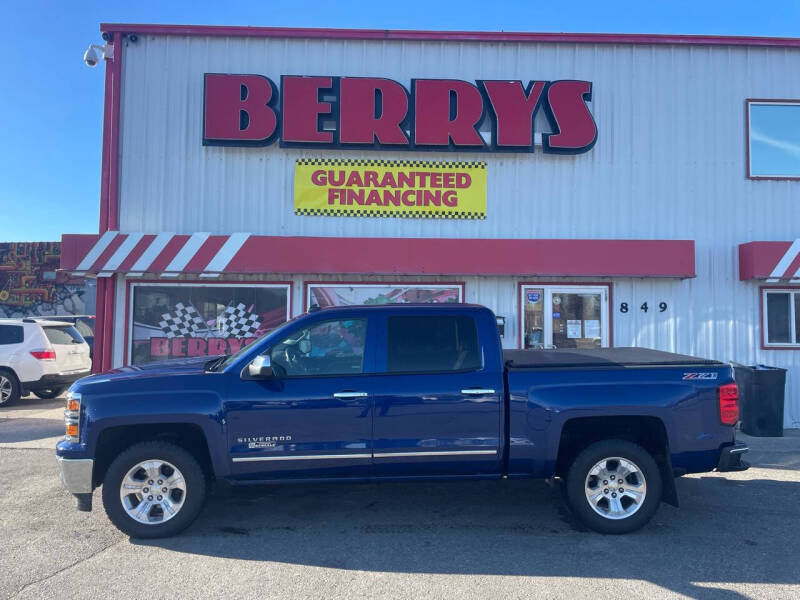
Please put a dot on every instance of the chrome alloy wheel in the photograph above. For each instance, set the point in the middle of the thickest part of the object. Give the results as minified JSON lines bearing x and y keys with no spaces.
{"x":5,"y":389}
{"x":615,"y":488}
{"x":153,"y":492}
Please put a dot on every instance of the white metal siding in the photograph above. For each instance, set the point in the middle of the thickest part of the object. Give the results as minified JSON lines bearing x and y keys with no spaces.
{"x":669,"y":163}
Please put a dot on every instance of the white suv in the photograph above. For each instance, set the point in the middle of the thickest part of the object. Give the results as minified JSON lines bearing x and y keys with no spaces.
{"x":40,"y":356}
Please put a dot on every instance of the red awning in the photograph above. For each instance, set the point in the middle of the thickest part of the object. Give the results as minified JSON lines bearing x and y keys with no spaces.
{"x":168,"y":254}
{"x":773,"y":261}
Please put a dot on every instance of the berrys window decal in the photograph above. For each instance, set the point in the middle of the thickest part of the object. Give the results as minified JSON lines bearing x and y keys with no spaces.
{"x":190,"y":320}
{"x":379,"y":113}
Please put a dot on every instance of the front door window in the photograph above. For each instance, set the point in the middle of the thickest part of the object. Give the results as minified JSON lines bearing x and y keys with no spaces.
{"x":327,"y":348}
{"x":564,"y":317}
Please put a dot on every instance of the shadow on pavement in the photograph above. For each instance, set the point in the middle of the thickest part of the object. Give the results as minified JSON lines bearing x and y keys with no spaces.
{"x":31,"y":403}
{"x":727,"y":531}
{"x":27,"y":429}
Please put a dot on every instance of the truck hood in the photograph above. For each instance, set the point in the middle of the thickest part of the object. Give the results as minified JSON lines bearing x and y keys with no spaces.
{"x":164,"y":368}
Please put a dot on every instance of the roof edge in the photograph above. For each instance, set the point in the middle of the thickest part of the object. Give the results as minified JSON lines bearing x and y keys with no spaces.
{"x":452,"y":36}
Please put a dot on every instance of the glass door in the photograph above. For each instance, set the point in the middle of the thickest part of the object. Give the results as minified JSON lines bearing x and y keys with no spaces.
{"x":565,"y":316}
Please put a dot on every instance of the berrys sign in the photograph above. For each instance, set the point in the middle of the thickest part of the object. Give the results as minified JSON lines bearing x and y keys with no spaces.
{"x":376,"y":113}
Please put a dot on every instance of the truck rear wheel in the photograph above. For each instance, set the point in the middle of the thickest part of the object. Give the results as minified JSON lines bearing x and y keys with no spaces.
{"x":153,"y":489}
{"x":614,"y":486}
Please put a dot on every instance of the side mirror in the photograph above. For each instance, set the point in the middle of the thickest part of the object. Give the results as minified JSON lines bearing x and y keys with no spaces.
{"x":260,"y":368}
{"x":304,"y":346}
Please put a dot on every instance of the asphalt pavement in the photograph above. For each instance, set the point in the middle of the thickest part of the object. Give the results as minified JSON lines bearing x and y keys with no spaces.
{"x":736,"y":535}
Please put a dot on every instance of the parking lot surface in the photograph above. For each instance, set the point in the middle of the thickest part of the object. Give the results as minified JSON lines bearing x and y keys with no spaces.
{"x":735,"y":536}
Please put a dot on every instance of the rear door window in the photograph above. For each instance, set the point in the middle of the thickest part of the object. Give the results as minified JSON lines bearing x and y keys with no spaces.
{"x":432,"y":344}
{"x":11,"y":334}
{"x":61,"y":335}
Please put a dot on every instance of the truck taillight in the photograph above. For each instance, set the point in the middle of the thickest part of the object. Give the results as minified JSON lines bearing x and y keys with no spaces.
{"x":72,"y":417}
{"x":44,"y":354}
{"x":729,"y":404}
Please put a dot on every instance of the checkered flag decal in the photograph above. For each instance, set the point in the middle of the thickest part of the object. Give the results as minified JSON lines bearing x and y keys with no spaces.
{"x":185,"y":321}
{"x":237,"y":321}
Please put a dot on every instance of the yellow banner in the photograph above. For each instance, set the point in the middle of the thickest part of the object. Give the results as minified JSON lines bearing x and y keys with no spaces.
{"x":390,"y":188}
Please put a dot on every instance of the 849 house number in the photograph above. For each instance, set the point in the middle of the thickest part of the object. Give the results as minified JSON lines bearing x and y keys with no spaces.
{"x":624,"y":307}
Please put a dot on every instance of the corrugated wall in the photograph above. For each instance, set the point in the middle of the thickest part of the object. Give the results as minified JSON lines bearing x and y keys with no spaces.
{"x":669,"y":163}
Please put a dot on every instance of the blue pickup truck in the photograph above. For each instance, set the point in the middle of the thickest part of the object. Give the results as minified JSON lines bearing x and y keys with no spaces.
{"x":398,"y":392}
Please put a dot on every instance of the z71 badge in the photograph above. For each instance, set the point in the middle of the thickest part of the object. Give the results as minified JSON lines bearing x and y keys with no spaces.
{"x":699,"y":375}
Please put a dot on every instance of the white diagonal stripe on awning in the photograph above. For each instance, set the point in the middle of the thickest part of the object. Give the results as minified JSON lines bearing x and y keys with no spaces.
{"x":151,"y":253}
{"x":113,"y":263}
{"x":186,"y":253}
{"x":224,"y":255}
{"x":785,"y":261}
{"x":98,"y":248}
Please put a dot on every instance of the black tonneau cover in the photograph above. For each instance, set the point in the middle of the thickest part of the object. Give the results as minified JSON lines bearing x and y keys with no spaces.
{"x":599,"y":357}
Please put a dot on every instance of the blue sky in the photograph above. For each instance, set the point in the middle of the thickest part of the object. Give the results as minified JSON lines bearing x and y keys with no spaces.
{"x":51,"y":103}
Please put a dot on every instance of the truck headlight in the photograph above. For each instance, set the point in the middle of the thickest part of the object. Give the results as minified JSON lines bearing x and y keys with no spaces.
{"x":72,"y":417}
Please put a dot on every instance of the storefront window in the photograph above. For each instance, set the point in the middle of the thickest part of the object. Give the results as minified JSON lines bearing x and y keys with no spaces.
{"x":339,"y":294}
{"x":774,"y":139}
{"x":781,"y":318}
{"x":564,"y":317}
{"x":186,"y":320}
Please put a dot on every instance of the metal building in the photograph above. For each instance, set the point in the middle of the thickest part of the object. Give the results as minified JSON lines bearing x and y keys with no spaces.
{"x":622,"y":189}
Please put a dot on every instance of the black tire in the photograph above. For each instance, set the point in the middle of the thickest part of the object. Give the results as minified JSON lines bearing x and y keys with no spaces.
{"x":195,"y":482}
{"x":577,"y":480}
{"x":8,"y":380}
{"x":49,"y":394}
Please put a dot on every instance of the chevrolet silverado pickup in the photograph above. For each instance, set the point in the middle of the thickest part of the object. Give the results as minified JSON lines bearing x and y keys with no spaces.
{"x":398,"y":392}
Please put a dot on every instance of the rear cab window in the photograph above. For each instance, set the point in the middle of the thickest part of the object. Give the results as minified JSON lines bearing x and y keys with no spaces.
{"x":62,"y":334}
{"x":432,"y":344}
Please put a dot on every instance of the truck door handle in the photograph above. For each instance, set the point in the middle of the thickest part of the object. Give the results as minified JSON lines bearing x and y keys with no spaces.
{"x":350,"y":395}
{"x":477,"y":391}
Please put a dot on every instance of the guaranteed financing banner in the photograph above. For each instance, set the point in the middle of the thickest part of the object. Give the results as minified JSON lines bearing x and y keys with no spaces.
{"x":390,"y":188}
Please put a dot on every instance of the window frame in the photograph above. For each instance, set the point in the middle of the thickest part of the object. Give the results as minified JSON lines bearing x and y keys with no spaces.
{"x":748,"y":171}
{"x":130,"y":286}
{"x":567,"y":287}
{"x":764,"y":291}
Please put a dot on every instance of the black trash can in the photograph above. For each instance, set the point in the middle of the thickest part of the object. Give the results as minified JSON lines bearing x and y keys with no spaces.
{"x":761,"y":398}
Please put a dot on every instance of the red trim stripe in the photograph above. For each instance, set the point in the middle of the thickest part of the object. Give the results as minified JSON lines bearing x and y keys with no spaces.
{"x":516,"y":257}
{"x":448,"y":36}
{"x":98,"y":265}
{"x":757,"y":260}
{"x":426,"y":256}
{"x":135,"y":253}
{"x":168,"y":253}
{"x":793,"y":268}
{"x":204,"y":254}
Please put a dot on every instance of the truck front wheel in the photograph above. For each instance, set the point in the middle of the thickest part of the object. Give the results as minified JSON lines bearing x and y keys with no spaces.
{"x":614,"y":486}
{"x":153,"y":489}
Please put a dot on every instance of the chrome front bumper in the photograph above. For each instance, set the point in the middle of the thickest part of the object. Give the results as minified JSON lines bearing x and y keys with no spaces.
{"x":76,"y":474}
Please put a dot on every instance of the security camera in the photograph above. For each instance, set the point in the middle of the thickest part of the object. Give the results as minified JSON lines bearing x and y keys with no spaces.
{"x":90,"y":57}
